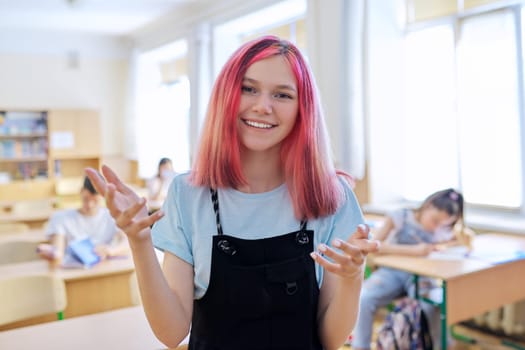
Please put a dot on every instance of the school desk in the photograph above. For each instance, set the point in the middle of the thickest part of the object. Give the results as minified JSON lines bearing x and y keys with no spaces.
{"x":31,"y":235}
{"x":34,"y":219}
{"x":125,"y":328}
{"x":105,"y":286}
{"x":471,"y":285}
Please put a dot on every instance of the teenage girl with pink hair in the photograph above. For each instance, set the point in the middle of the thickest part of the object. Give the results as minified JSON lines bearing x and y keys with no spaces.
{"x":264,"y":243}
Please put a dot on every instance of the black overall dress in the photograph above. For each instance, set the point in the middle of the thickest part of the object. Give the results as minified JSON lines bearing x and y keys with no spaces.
{"x":262,"y":294}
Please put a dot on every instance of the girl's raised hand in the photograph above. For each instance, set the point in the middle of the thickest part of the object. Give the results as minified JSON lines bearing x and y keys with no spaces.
{"x":125,"y":206}
{"x":349,"y":256}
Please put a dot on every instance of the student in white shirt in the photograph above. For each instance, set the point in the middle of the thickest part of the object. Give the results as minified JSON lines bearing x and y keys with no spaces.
{"x":91,"y":221}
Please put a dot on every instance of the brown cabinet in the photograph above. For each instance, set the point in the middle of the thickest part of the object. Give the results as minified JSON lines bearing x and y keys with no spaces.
{"x":74,"y":141}
{"x":39,"y":148}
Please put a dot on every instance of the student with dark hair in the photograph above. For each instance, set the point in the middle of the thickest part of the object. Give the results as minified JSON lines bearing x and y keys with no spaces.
{"x":412,"y":232}
{"x":264,"y":243}
{"x":158,"y":185}
{"x":91,"y":221}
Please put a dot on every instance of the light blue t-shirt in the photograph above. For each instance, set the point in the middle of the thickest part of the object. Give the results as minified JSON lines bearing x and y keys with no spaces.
{"x":189,"y":224}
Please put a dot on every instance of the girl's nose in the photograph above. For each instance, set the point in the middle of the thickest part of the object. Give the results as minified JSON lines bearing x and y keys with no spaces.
{"x":263,"y":105}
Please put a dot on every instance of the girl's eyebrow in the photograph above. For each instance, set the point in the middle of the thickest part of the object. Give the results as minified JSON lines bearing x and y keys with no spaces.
{"x":280,"y":86}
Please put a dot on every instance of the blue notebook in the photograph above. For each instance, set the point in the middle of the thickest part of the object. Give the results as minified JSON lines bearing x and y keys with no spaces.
{"x":84,"y":251}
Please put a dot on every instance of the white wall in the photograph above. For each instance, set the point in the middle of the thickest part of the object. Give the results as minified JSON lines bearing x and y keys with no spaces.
{"x":35,"y":74}
{"x":46,"y":70}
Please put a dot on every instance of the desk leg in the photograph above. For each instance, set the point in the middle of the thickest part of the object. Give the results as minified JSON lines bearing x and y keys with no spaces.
{"x":511,"y":344}
{"x":416,"y":287}
{"x":443,"y":316}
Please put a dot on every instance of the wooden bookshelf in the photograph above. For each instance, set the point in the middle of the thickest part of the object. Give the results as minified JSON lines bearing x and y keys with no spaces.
{"x":37,"y":148}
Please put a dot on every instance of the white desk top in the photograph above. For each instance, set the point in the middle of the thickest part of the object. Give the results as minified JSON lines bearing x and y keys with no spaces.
{"x":42,"y":267}
{"x":119,"y":329}
{"x":447,"y":268}
{"x":32,"y":235}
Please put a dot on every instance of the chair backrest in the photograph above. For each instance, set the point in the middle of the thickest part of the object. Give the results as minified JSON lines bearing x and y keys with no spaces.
{"x":67,"y":190}
{"x":70,"y":185}
{"x":13,"y":227}
{"x":24,"y":297}
{"x":18,"y":251}
{"x":35,"y":205}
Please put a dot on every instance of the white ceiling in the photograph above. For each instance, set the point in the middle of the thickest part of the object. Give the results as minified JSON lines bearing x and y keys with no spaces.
{"x":109,"y":17}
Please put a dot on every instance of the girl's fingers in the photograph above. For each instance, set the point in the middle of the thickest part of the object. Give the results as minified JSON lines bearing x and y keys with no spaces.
{"x":98,"y":182}
{"x":110,"y":201}
{"x":114,"y":179}
{"x":123,"y":204}
{"x":350,"y":257}
{"x":362,"y":231}
{"x":150,"y":219}
{"x":126,"y":217}
{"x":349,"y":254}
{"x":135,"y":227}
{"x":347,"y":257}
{"x":362,"y":239}
{"x":342,"y":270}
{"x":364,"y":245}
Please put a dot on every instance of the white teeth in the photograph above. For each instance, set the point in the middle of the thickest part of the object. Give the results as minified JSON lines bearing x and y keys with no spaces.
{"x":258,"y":125}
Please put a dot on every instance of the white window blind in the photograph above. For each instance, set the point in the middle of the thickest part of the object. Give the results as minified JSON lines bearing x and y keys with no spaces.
{"x":162,"y":108}
{"x":488,"y":105}
{"x":429,"y":138}
{"x":462,"y":117}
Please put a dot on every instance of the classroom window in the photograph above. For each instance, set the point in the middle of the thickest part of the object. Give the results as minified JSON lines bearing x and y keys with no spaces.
{"x":462,"y":115}
{"x":429,"y":140}
{"x":162,"y":108}
{"x":488,"y":107}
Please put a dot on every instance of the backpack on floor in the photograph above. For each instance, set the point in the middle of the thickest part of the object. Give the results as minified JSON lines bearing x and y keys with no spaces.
{"x":405,"y":328}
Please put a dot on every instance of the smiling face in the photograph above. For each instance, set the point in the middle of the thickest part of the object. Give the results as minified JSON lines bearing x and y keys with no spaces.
{"x":268,"y":106}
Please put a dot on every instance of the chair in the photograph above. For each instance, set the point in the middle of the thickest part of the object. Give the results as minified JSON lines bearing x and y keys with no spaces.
{"x":25,"y":297}
{"x":12,"y":252}
{"x":13,"y":227}
{"x":67,"y":190}
{"x":35,"y":205}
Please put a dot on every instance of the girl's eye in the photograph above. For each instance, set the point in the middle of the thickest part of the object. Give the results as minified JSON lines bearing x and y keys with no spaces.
{"x":282,"y":95}
{"x":248,"y":89}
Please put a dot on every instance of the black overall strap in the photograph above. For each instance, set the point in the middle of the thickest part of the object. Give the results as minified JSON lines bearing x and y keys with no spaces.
{"x":215,"y":201}
{"x":303,"y":225}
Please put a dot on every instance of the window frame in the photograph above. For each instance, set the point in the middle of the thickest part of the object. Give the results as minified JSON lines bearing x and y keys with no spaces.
{"x":455,"y":22}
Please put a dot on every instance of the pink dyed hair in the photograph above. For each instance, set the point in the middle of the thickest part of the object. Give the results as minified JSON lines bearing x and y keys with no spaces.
{"x":308,"y":167}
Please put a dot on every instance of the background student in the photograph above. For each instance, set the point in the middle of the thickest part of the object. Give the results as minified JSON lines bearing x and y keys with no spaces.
{"x":439,"y":220}
{"x":263,"y":242}
{"x":158,"y":185}
{"x":91,"y":221}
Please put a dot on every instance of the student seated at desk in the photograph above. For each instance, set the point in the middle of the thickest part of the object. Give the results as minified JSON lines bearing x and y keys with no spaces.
{"x":439,"y":220}
{"x":90,"y":221}
{"x":159,"y":184}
